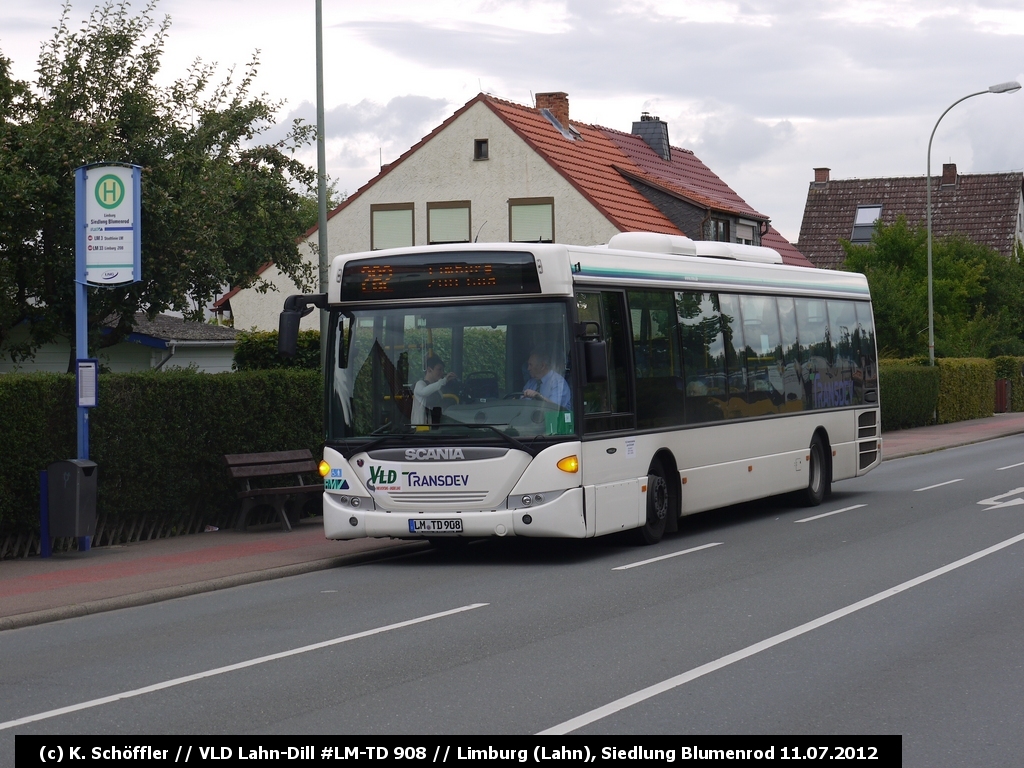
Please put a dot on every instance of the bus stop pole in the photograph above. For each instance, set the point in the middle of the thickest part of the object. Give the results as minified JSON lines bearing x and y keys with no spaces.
{"x":81,"y":319}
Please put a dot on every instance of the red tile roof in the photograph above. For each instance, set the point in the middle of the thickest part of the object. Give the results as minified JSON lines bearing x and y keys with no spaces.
{"x":685,"y":173}
{"x":982,"y":207}
{"x":589,"y":164}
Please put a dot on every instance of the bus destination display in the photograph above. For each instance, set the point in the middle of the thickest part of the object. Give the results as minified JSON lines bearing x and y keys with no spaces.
{"x":415,"y":276}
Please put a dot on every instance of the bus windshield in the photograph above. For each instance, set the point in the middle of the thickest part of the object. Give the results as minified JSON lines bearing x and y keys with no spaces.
{"x":489,"y":371}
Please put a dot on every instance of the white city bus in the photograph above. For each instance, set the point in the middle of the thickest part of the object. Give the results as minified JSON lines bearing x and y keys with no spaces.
{"x":662,"y":377}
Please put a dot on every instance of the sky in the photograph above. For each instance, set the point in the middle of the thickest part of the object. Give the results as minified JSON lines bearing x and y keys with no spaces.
{"x":762,"y":91}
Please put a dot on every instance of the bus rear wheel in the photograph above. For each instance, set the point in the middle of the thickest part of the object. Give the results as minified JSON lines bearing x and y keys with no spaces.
{"x":818,"y":480}
{"x":658,"y":504}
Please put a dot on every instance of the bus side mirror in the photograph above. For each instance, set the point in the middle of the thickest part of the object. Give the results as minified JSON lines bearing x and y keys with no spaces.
{"x":288,"y":333}
{"x":595,"y":359}
{"x":295,"y":308}
{"x":593,"y":351}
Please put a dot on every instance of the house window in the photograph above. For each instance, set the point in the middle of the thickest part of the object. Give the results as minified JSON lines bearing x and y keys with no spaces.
{"x":448,"y":222}
{"x":480,"y":149}
{"x":864,"y":223}
{"x":719,"y":230}
{"x":745,"y":234}
{"x":531,"y":220}
{"x":391,"y":226}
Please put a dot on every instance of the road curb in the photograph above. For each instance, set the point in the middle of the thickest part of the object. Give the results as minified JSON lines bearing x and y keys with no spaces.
{"x":184,"y":590}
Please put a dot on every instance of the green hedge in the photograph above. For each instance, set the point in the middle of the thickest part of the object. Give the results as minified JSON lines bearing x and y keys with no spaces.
{"x":257,"y":351}
{"x":158,"y":437}
{"x":909,"y":394}
{"x":37,"y":421}
{"x":967,"y":388}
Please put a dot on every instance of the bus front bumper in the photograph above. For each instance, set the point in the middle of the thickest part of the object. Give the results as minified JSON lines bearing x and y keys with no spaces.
{"x":562,"y":517}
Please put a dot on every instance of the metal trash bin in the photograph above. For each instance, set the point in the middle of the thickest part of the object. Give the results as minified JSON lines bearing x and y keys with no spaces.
{"x":71,"y":488}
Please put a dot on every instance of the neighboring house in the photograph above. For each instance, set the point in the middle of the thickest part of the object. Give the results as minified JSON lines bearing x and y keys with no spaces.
{"x":986,"y":208}
{"x":496,"y":171}
{"x":162,"y":343}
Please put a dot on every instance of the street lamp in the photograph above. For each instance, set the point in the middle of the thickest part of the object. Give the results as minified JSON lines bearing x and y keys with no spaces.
{"x":1009,"y":87}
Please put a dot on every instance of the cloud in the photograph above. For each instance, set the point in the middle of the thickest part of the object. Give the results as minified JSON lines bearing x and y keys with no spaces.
{"x":796,"y":61}
{"x":730,"y":140}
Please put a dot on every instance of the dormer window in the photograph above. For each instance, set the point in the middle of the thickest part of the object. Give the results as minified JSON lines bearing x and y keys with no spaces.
{"x":864,"y":223}
{"x":480,"y":149}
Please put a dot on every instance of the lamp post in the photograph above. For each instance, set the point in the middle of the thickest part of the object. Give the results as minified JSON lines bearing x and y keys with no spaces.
{"x":321,"y":176}
{"x":1008,"y":87}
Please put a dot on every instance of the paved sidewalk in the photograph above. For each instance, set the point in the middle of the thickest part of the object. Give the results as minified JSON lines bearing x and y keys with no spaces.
{"x":910,"y":442}
{"x":35,"y":590}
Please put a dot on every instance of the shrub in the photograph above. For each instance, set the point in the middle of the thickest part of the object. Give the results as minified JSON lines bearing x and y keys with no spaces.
{"x":967,"y":388}
{"x":257,"y":351}
{"x":909,"y":394}
{"x":158,"y":438}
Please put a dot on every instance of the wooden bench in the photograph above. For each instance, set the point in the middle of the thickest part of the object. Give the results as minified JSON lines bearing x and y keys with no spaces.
{"x":246,"y":467}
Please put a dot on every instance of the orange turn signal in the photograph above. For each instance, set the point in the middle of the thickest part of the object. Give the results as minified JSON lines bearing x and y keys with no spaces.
{"x":569,"y":464}
{"x":324,"y":469}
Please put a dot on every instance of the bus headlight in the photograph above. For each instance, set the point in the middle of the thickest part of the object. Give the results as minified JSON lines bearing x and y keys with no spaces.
{"x":569,"y":464}
{"x":324,"y":469}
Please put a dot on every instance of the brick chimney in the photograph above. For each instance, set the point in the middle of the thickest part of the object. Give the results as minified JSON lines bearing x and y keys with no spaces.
{"x":821,"y":175}
{"x":557,"y":103}
{"x":948,"y":175}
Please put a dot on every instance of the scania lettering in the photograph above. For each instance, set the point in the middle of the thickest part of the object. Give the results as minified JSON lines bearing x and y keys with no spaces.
{"x":596,"y":389}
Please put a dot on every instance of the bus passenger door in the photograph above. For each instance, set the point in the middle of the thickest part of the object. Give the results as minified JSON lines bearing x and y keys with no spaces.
{"x":611,"y":469}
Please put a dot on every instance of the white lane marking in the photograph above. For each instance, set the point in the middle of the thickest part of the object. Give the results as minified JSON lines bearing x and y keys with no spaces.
{"x":994,"y":503}
{"x":938,"y":485}
{"x":1021,"y":464}
{"x":674,"y":682}
{"x":666,"y":557}
{"x":833,"y":512}
{"x":232,"y":667}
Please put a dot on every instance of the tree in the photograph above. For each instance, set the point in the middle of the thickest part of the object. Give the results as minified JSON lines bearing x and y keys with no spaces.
{"x":309,"y":204}
{"x":978,"y":294}
{"x":216,"y":204}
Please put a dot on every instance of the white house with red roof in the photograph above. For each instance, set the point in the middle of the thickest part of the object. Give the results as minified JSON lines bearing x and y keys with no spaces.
{"x":496,"y":171}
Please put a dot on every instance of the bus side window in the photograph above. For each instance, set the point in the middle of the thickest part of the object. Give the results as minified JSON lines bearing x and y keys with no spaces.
{"x":792,"y":373}
{"x":736,"y":373}
{"x":844,"y":385}
{"x":763,"y":353}
{"x":816,"y":351}
{"x":703,"y":345}
{"x":659,"y":384}
{"x":865,"y":345}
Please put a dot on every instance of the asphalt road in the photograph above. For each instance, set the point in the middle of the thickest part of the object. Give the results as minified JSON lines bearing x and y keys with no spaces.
{"x":899,"y":613}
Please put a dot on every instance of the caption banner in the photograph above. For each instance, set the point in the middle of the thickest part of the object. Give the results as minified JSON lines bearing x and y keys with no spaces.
{"x":465,"y":751}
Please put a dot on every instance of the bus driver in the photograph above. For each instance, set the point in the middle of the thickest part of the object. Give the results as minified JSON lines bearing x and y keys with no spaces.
{"x":545,"y":384}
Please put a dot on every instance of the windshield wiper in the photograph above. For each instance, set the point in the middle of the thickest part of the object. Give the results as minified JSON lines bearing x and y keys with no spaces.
{"x":392,"y":431}
{"x":503,"y":435}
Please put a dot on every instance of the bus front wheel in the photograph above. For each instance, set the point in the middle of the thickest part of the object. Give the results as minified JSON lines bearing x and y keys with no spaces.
{"x":657,"y":508}
{"x":818,"y":480}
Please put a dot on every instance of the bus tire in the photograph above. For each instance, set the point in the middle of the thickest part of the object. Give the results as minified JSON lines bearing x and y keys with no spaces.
{"x":658,"y":504}
{"x":818,"y":480}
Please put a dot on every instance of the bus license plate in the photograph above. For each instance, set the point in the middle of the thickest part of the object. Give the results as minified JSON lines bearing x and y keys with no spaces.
{"x":420,"y":525}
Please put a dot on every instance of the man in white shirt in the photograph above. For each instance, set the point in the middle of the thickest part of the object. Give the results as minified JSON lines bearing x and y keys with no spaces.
{"x":426,"y":395}
{"x":545,"y":384}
